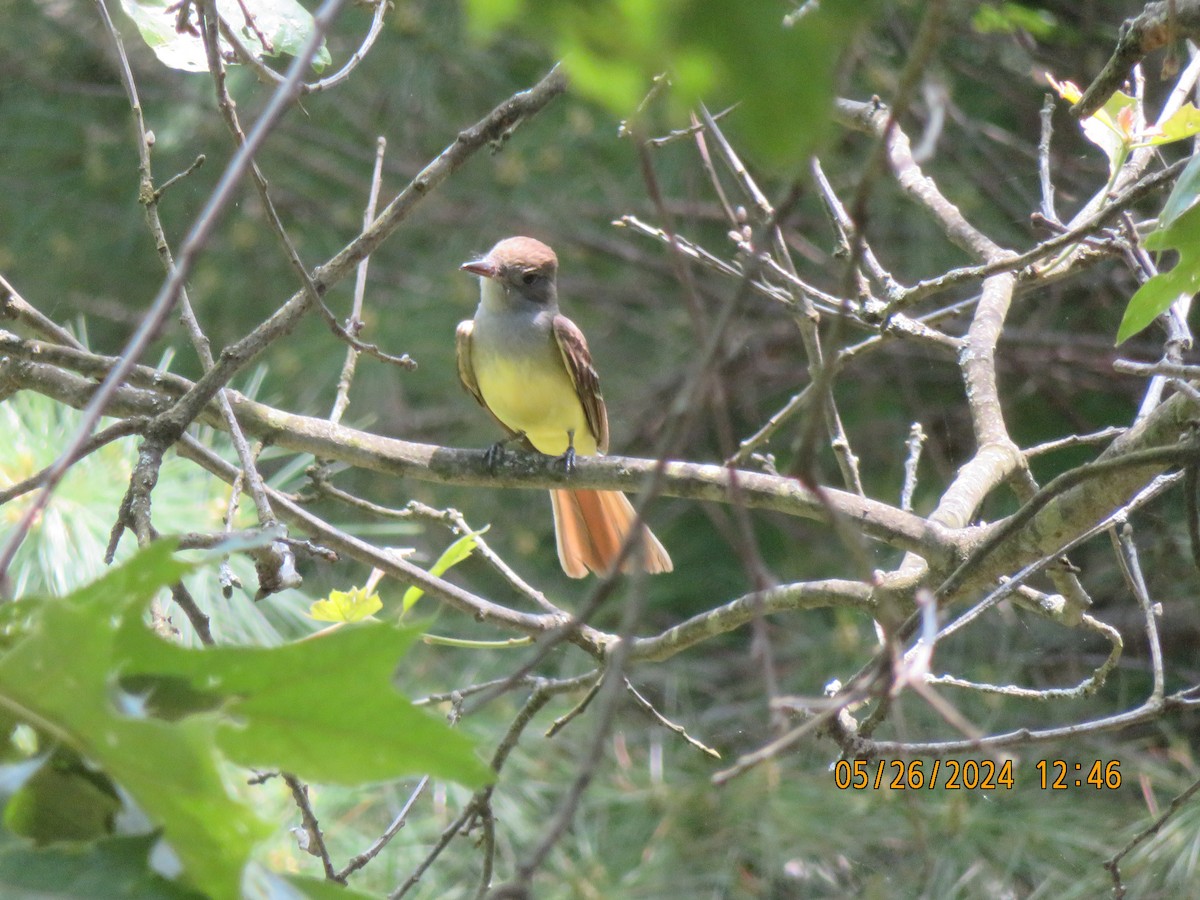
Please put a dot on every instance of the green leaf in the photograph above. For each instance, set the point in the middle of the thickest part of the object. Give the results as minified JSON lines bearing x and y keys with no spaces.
{"x":1179,"y":229}
{"x":1182,"y":198}
{"x":346,"y":606}
{"x":325,"y":708}
{"x":782,"y":76}
{"x":13,"y":776}
{"x":321,"y":889}
{"x":131,"y":584}
{"x":1155,"y":297}
{"x":63,"y":801}
{"x":171,"y":770}
{"x":285,"y":24}
{"x":112,"y":867}
{"x":451,"y":556}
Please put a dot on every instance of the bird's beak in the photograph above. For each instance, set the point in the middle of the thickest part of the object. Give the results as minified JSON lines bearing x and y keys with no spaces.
{"x":485,"y":268}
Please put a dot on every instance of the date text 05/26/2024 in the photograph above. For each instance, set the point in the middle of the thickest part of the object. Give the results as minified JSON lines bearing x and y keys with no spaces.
{"x":972,"y":774}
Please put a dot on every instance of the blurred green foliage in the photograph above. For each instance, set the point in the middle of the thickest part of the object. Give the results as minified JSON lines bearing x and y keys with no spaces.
{"x":73,"y":242}
{"x":1014,"y":18}
{"x":778,"y":70}
{"x":324,"y":710}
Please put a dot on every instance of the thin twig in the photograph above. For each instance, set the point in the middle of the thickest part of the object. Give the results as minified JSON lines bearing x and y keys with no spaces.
{"x":844,"y":226}
{"x":451,"y":518}
{"x":1127,"y":558}
{"x":604,"y":715}
{"x":226,"y":576}
{"x":779,"y":745}
{"x":1086,"y":688}
{"x":373,"y":32}
{"x":178,"y":177}
{"x":544,"y":690}
{"x":1147,"y":712}
{"x":312,"y":827}
{"x":1044,"y":160}
{"x":1164,"y":367}
{"x":575,"y":711}
{"x":667,"y":723}
{"x":1104,"y":435}
{"x":354,"y":322}
{"x":14,"y":306}
{"x":357,"y":862}
{"x":1113,"y":863}
{"x":196,"y":616}
{"x":916,"y":440}
{"x":694,"y":129}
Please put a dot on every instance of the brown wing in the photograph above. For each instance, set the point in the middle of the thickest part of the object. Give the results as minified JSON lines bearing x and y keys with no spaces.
{"x":577,"y":359}
{"x":462,"y":353}
{"x":466,"y":373}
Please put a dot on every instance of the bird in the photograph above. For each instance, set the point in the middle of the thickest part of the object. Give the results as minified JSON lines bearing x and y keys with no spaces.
{"x":529,"y":366}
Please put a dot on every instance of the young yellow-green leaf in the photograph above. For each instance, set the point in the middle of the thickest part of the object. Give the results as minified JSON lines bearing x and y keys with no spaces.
{"x":353,"y":605}
{"x":1116,"y":127}
{"x":1112,"y":128}
{"x":451,"y":556}
{"x":1185,"y":123}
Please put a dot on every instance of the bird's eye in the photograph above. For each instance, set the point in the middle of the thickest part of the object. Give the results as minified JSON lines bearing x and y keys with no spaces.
{"x":529,"y":278}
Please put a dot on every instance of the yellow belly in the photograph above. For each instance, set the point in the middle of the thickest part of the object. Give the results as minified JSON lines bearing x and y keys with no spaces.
{"x":538,"y":400}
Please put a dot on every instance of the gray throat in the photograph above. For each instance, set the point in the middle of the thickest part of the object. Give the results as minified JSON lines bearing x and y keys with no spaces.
{"x":511,"y":325}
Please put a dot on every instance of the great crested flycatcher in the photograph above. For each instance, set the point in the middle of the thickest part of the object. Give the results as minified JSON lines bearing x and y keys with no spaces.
{"x":528,"y":365}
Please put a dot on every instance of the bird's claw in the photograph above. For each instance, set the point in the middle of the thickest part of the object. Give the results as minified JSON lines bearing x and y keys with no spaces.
{"x":567,"y":460}
{"x":493,"y":454}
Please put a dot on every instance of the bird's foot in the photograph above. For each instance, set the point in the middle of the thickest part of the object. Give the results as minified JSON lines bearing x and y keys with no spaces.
{"x":567,"y":460}
{"x":493,"y":454}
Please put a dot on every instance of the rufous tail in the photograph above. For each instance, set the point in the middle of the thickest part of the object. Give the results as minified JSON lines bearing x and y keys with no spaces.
{"x":590,"y":527}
